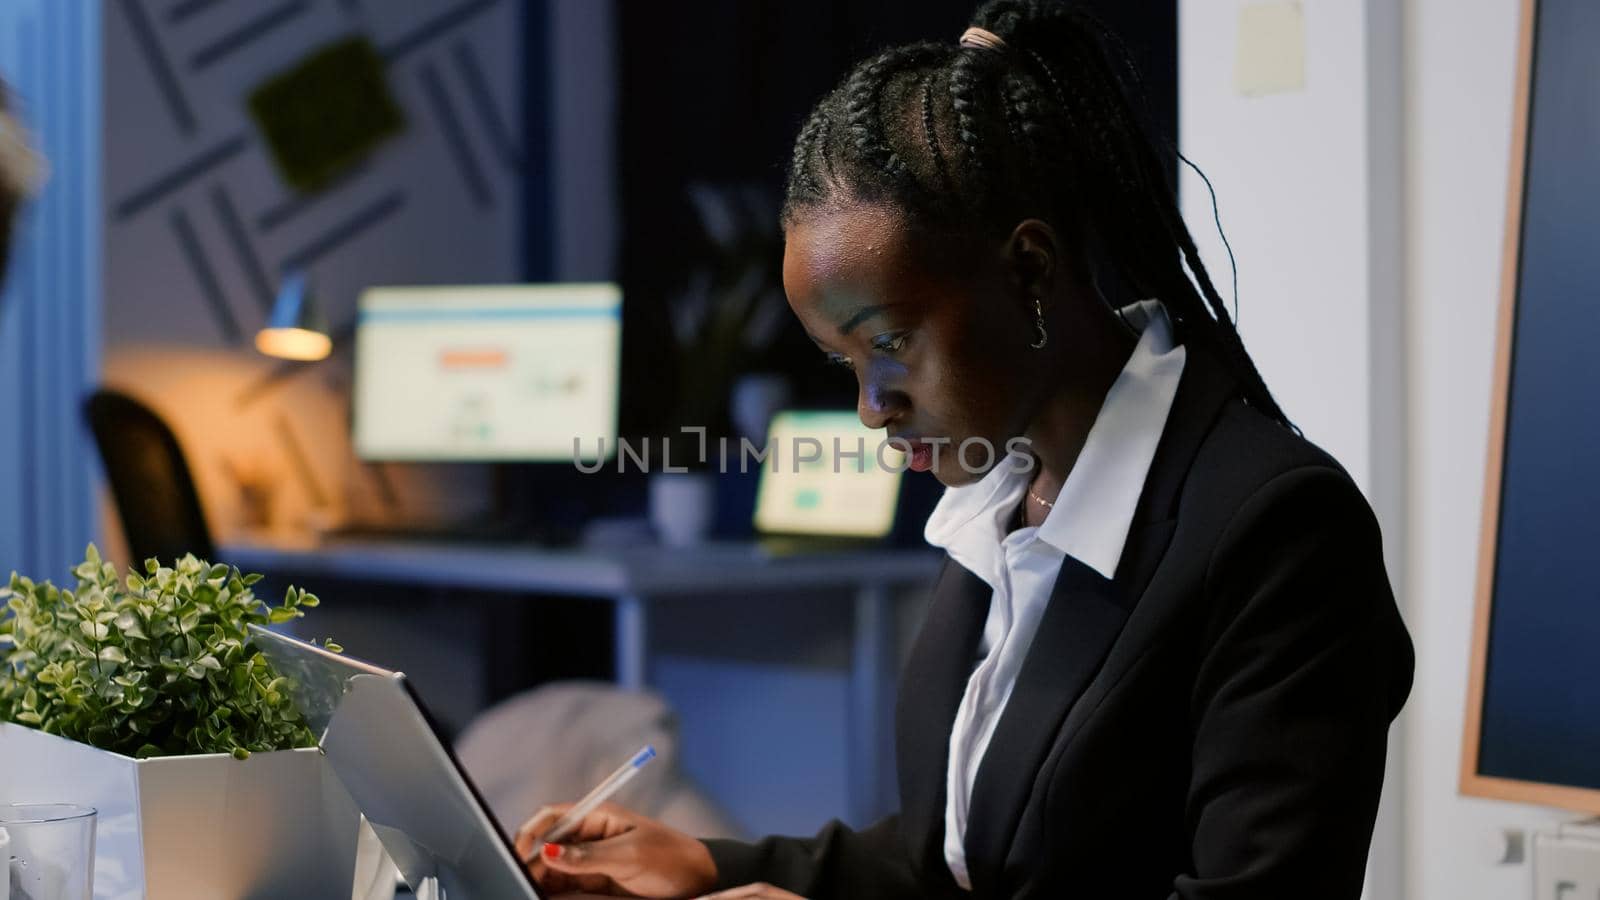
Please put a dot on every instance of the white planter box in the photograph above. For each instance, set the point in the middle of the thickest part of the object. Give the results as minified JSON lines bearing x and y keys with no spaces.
{"x":201,"y":827}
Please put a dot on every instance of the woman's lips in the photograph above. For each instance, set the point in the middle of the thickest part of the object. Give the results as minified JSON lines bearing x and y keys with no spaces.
{"x":920,"y":455}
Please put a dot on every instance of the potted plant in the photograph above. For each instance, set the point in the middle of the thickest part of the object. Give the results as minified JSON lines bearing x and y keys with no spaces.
{"x":145,"y":698}
{"x":729,"y":312}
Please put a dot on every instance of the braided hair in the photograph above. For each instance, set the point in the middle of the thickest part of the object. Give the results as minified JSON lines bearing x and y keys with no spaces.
{"x":962,"y":138}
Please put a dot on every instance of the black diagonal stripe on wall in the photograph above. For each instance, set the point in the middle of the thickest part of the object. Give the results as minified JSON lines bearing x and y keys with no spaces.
{"x":222,"y":202}
{"x":297,"y":203}
{"x":177,"y":178}
{"x":247,"y":33}
{"x":345,"y":231}
{"x":483,"y":103}
{"x":299,"y":461}
{"x":188,"y":9}
{"x":434,"y":28}
{"x":156,"y":59}
{"x":455,"y":137}
{"x":210,"y":289}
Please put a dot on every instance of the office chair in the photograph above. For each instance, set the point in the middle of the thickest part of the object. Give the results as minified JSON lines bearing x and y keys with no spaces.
{"x":150,"y":481}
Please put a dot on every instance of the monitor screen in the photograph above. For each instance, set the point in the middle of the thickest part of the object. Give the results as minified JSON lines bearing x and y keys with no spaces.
{"x":824,"y":475}
{"x":498,"y":372}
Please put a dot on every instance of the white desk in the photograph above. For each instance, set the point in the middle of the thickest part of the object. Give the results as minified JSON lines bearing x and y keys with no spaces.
{"x":635,"y":579}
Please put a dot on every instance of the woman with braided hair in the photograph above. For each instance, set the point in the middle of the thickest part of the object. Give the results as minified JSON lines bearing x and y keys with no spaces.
{"x":1163,"y":655}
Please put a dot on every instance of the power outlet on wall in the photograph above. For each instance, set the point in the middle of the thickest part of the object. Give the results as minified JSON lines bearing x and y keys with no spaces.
{"x":1566,"y":864}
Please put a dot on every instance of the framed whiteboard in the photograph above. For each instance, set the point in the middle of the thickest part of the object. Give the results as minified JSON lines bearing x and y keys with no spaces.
{"x":1532,"y":730}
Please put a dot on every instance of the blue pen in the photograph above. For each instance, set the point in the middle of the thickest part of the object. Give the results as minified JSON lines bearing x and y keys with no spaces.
{"x":601,"y":793}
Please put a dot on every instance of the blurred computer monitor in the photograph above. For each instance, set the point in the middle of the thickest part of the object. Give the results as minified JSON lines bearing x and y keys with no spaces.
{"x":825,"y":477}
{"x":487,"y":373}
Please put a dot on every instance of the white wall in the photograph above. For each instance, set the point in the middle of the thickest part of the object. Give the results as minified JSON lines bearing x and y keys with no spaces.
{"x":1460,"y":59}
{"x":1291,"y":175}
{"x":1306,"y":180}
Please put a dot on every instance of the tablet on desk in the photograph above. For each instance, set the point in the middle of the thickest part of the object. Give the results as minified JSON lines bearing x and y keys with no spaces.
{"x":828,"y":483}
{"x":392,"y":758}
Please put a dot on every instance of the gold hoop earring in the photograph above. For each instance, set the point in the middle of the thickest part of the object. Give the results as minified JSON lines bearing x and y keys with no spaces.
{"x":1038,"y":325}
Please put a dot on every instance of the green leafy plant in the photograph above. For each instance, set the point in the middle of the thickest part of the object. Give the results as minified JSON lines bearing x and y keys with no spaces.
{"x":156,"y":664}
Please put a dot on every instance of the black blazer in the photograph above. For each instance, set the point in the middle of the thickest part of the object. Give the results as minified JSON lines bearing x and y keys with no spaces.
{"x":1210,"y":723}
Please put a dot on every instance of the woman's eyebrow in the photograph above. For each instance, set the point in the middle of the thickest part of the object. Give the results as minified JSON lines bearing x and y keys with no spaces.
{"x":818,"y":341}
{"x":861,"y":315}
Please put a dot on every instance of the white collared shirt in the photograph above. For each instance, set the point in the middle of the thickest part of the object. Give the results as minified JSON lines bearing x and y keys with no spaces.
{"x":1089,"y":521}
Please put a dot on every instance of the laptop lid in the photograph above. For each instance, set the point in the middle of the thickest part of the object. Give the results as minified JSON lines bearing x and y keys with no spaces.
{"x":826,"y":475}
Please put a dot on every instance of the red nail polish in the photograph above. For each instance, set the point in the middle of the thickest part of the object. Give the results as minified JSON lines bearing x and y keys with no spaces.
{"x":552,"y":851}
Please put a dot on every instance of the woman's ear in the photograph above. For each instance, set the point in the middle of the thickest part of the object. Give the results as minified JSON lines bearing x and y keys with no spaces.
{"x":1033,"y":259}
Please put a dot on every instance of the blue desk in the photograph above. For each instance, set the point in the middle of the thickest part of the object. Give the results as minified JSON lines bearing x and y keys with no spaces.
{"x":638,"y":579}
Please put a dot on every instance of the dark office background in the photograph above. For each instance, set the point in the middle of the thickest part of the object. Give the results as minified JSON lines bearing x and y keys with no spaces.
{"x":715,"y":91}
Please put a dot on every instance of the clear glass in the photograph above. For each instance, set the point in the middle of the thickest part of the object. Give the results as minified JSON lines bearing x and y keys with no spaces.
{"x":48,"y":851}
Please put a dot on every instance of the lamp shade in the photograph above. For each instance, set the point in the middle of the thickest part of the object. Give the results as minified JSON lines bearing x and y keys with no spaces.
{"x":296,"y":329}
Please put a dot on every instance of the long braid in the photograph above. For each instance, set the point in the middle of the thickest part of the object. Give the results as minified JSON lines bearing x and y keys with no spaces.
{"x":967,"y":138}
{"x":1159,"y":203}
{"x":1221,"y":331}
{"x":864,"y":118}
{"x":804,"y":174}
{"x":965,"y":83}
{"x":930,"y":129}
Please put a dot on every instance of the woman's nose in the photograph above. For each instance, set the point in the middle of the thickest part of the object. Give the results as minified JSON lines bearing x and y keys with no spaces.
{"x":877,"y":404}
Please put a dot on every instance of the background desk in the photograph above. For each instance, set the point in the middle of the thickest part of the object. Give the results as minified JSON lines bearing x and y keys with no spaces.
{"x":639,"y":581}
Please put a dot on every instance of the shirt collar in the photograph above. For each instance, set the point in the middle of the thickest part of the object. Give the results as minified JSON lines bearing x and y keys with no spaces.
{"x":1092,"y":515}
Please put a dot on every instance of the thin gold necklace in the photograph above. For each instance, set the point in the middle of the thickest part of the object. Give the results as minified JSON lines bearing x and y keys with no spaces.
{"x":1040,"y":500}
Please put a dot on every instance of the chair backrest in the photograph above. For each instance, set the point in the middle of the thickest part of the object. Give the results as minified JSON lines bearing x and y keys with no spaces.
{"x":150,"y":480}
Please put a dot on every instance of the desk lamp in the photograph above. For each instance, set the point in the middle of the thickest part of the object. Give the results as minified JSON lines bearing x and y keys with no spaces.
{"x":296,"y":329}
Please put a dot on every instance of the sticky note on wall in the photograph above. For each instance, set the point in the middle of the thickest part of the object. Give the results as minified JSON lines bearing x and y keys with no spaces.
{"x":1271,"y":54}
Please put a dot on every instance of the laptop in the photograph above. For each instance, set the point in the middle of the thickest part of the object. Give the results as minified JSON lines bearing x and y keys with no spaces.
{"x":392,"y":758}
{"x":828,"y":483}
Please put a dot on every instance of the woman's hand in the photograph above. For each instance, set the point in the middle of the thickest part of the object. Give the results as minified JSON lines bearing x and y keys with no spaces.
{"x":614,"y":851}
{"x":753,"y":892}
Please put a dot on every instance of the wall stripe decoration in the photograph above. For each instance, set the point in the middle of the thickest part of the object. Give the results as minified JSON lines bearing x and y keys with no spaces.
{"x":244,"y":253}
{"x":483,"y":104}
{"x":205,"y":277}
{"x":248,"y":33}
{"x":345,"y":231}
{"x":188,"y":9}
{"x":160,"y":68}
{"x":139,"y":199}
{"x":285,"y":210}
{"x":434,"y":28}
{"x":455,"y":136}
